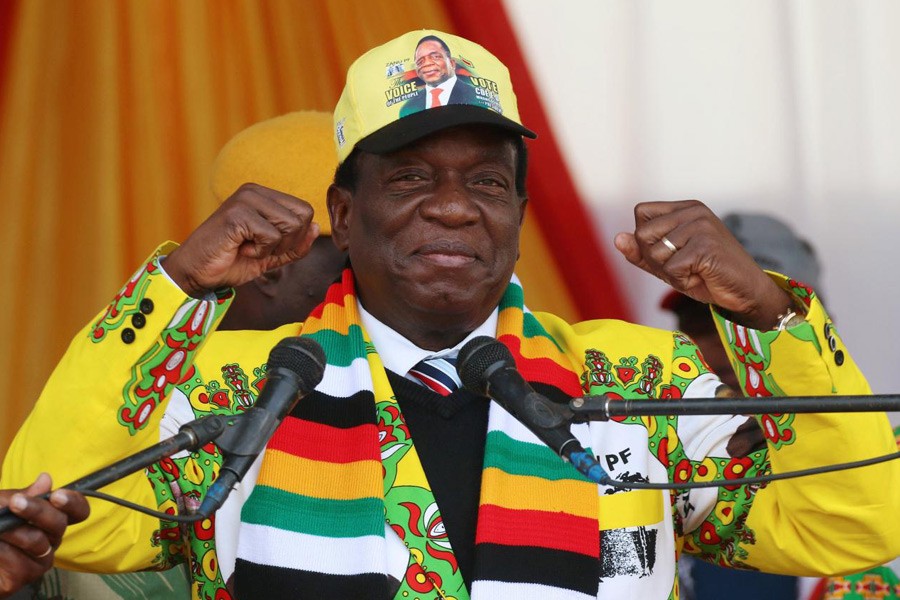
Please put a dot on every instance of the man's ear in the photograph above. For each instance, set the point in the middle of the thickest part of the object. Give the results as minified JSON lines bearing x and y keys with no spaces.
{"x":340,"y":204}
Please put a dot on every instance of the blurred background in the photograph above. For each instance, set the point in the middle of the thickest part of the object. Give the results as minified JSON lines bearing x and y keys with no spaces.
{"x":112,"y":111}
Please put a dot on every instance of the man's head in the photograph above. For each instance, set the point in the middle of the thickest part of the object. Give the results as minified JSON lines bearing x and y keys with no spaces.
{"x":434,"y":65}
{"x":292,"y":153}
{"x":429,"y":206}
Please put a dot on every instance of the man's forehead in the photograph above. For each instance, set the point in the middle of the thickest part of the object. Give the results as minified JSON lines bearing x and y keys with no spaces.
{"x":429,"y":46}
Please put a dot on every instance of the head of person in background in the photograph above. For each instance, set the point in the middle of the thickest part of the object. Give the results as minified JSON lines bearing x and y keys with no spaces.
{"x":775,"y":247}
{"x":294,"y":154}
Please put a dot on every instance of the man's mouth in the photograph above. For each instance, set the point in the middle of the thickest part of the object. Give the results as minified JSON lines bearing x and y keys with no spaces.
{"x":447,"y":254}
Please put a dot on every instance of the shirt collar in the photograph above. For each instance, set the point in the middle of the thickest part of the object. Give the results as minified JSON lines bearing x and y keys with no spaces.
{"x":399,"y":355}
{"x":445,"y":86}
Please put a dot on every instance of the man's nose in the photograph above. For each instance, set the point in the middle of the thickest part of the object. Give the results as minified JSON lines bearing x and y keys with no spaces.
{"x":450,"y":203}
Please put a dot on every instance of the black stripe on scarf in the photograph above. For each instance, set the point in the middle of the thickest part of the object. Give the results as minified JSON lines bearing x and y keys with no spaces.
{"x":274,"y":583}
{"x":527,"y":564}
{"x":343,"y":413}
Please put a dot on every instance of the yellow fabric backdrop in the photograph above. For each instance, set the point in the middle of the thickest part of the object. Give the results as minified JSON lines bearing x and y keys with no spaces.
{"x":111,"y":114}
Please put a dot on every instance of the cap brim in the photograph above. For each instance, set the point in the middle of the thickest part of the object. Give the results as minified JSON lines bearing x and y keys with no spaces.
{"x":414,"y":127}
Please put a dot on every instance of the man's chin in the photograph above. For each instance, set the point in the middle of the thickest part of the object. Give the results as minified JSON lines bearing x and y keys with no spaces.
{"x":458,"y":298}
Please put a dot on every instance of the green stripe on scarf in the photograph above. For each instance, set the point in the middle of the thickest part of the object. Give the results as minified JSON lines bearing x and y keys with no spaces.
{"x":519,"y":458}
{"x":332,"y":518}
{"x":341,"y":348}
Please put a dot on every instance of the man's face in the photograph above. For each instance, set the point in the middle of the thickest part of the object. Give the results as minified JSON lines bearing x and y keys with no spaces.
{"x":433,"y":231}
{"x":433,"y":65}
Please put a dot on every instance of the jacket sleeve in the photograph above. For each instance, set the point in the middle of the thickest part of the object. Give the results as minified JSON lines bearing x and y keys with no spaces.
{"x":824,"y":524}
{"x":104,"y":402}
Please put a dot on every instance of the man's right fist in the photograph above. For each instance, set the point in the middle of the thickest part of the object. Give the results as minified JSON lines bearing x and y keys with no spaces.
{"x":255,"y":230}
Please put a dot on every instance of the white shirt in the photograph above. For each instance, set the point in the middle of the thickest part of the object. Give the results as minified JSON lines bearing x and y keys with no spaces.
{"x":399,"y":355}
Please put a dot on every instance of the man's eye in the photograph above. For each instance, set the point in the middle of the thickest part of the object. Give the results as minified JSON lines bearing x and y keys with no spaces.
{"x":408,"y":178}
{"x":433,"y":57}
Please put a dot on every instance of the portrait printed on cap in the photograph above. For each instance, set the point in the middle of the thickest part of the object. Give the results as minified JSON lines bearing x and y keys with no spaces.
{"x":434,"y":77}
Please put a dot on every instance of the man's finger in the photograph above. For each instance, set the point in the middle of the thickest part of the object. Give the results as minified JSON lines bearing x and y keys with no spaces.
{"x":73,"y":504}
{"x":18,"y":568}
{"x":286,"y":212}
{"x":47,"y":522}
{"x":647,"y":211}
{"x":41,"y":485}
{"x":627,"y":245}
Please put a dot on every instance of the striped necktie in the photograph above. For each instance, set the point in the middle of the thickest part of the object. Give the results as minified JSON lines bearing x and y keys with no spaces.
{"x":437,"y":374}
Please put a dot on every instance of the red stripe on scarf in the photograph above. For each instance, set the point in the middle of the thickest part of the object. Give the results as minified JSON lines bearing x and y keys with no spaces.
{"x":543,"y":370}
{"x":557,"y":531}
{"x":316,"y":441}
{"x":336,"y":294}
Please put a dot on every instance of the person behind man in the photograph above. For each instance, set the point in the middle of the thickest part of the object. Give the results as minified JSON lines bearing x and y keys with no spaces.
{"x":346,"y":505}
{"x":436,"y":67}
{"x":775,"y":247}
{"x":26,"y":552}
{"x":294,"y":154}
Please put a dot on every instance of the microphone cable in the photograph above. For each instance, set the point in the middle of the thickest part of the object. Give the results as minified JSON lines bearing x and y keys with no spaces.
{"x":143,"y":509}
{"x":609,"y":481}
{"x":689,"y":485}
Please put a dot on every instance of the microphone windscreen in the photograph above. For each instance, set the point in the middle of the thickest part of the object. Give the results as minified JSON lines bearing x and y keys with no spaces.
{"x":476,"y":359}
{"x":302,"y":356}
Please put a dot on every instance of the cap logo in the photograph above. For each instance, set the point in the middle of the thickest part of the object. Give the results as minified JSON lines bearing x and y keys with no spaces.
{"x":394,"y":68}
{"x":412,"y":83}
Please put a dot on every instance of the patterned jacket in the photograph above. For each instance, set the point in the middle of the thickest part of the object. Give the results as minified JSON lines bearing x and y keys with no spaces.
{"x":106,"y":398}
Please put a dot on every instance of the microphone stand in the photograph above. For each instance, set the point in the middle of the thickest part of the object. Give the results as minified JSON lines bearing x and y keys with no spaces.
{"x":190,"y":436}
{"x":603,"y":408}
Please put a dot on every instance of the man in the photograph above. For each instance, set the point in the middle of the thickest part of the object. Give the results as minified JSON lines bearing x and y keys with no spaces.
{"x":378,"y":487}
{"x":26,"y":552}
{"x":436,"y":68}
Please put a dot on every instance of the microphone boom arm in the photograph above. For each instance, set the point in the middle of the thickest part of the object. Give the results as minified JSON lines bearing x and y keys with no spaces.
{"x":603,"y":408}
{"x":190,"y":436}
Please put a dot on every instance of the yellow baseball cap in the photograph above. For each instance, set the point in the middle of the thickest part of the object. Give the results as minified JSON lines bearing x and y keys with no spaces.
{"x":292,"y":153}
{"x":383,"y":105}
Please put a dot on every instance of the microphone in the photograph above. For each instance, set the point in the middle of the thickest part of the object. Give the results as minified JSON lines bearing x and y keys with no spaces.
{"x":487,"y":367}
{"x":295,"y":368}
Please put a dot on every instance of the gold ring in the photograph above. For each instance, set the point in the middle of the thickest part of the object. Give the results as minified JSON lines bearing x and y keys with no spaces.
{"x":668,"y":244}
{"x":46,"y":553}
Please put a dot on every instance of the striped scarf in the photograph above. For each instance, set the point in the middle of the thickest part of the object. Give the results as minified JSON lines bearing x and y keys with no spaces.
{"x":341,"y":495}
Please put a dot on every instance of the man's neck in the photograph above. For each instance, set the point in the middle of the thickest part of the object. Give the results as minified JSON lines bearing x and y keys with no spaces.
{"x":400,"y":352}
{"x":444,"y":85}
